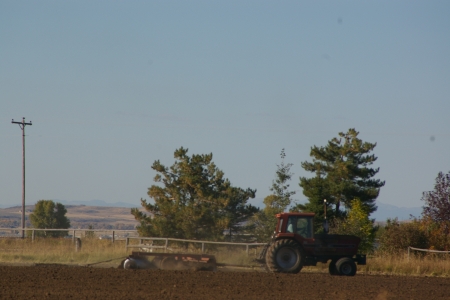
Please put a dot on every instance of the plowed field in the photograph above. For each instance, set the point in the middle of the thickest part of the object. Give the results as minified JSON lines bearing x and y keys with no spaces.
{"x":63,"y":282}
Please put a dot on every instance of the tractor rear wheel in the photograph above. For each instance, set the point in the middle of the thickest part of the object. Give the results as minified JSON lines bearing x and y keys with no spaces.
{"x":285,"y":256}
{"x":332,"y":268}
{"x":346,"y":266}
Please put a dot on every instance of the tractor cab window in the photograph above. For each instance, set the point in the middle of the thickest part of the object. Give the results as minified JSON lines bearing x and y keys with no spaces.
{"x":300,"y":225}
{"x":280,"y":225}
{"x":290,"y":225}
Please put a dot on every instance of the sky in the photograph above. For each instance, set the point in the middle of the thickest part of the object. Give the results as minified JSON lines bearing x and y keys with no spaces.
{"x":112,"y":86}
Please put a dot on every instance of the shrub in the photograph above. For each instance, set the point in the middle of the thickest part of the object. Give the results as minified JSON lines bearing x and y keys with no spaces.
{"x":357,"y":223}
{"x":397,"y":237}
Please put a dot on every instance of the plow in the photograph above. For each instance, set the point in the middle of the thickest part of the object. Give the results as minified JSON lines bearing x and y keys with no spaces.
{"x":169,"y":261}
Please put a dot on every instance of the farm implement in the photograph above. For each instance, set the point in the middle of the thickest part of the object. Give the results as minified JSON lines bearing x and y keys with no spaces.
{"x":169,"y":261}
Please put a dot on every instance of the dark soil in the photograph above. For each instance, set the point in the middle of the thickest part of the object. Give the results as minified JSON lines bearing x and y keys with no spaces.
{"x":64,"y":282}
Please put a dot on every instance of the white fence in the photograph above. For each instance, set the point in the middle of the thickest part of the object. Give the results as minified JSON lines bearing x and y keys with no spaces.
{"x":126,"y":235}
{"x":167,"y":240}
{"x":112,"y":235}
{"x":426,"y":250}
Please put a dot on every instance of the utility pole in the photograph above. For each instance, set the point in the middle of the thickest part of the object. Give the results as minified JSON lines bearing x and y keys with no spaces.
{"x":22,"y":126}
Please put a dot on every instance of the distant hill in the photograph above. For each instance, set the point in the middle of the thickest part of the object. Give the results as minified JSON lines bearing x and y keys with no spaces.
{"x":103,"y":215}
{"x":80,"y":216}
{"x":386,"y":211}
{"x":76,"y":202}
{"x":97,"y":203}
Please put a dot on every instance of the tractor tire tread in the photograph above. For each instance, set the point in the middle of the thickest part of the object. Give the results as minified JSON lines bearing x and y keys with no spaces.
{"x":271,"y":254}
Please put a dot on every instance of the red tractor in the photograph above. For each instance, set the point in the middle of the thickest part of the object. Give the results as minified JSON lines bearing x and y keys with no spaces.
{"x":295,"y":245}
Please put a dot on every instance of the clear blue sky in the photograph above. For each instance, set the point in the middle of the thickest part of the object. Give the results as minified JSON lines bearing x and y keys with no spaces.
{"x":112,"y":86}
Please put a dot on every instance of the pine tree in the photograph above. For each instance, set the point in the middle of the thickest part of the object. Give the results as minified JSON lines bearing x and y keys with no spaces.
{"x":264,"y":222}
{"x":342,"y":173}
{"x":193,"y":200}
{"x":280,"y":186}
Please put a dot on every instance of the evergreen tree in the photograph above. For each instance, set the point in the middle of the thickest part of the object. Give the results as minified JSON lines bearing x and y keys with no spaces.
{"x":265,"y":221}
{"x":280,"y":187}
{"x":48,"y":215}
{"x":193,"y":200}
{"x":342,"y":173}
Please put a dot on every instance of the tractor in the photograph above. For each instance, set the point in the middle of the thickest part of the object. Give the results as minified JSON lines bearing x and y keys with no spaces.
{"x":295,"y":245}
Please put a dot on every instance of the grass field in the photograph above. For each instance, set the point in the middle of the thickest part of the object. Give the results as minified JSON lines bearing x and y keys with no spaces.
{"x":62,"y":251}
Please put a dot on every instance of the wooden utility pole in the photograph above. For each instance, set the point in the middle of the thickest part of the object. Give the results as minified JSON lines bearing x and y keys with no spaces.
{"x":22,"y":126}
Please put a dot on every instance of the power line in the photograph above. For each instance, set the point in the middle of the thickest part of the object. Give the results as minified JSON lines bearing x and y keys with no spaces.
{"x":22,"y":126}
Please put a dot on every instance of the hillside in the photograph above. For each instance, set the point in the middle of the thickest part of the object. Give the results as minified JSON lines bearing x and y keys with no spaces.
{"x":81,"y":216}
{"x":102,"y":216}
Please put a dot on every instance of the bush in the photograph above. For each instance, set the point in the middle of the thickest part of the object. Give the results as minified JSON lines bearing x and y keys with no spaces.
{"x":397,"y":237}
{"x":357,"y":223}
{"x":437,"y":233}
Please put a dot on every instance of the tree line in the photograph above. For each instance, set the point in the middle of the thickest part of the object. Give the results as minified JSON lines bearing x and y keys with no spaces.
{"x":192,"y":199}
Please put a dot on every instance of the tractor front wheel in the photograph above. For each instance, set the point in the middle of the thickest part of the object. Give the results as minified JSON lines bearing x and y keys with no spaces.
{"x":285,"y":256}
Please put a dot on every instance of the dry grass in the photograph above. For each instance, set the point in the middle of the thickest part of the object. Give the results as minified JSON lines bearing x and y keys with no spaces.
{"x":59,"y":251}
{"x":414,"y":265}
{"x":400,"y":265}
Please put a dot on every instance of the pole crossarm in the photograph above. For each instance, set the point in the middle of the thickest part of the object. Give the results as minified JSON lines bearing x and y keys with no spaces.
{"x":22,"y":126}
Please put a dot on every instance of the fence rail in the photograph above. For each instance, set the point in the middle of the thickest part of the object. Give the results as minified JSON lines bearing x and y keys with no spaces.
{"x":74,"y":232}
{"x":167,"y":240}
{"x":78,"y":233}
{"x":426,"y":250}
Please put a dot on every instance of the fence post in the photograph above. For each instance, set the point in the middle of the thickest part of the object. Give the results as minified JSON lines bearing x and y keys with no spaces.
{"x":246,"y":249}
{"x":127,"y":241}
{"x":32,"y":235}
{"x":408,"y":252}
{"x":203,"y":248}
{"x":73,"y":236}
{"x":113,"y":237}
{"x":167,"y":243}
{"x":78,"y":245}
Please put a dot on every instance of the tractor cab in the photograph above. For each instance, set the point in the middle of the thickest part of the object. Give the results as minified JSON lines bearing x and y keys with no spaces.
{"x":296,"y":224}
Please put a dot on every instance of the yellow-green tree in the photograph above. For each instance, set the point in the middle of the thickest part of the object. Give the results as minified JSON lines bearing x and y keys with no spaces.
{"x":357,"y":223}
{"x":264,"y":221}
{"x":50,"y":215}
